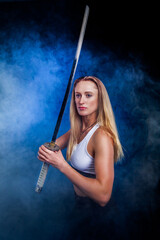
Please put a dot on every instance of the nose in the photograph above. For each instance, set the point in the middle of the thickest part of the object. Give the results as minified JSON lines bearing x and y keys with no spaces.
{"x":81,"y":100}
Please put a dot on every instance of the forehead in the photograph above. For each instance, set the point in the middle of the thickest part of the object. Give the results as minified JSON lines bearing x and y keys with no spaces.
{"x":85,"y":86}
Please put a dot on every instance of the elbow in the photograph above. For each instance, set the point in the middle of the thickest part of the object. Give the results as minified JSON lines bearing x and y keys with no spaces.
{"x":104,"y":200}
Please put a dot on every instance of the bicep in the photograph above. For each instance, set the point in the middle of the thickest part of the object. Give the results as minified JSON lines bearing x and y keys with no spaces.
{"x":104,"y":161}
{"x":63,"y":140}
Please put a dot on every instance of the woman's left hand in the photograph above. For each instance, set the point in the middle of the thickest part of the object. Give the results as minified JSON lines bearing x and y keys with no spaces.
{"x":56,"y":159}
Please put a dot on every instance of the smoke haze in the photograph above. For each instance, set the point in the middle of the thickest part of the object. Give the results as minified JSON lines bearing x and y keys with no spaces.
{"x":35,"y":64}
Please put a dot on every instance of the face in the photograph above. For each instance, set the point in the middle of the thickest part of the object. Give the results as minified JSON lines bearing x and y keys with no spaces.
{"x":86,"y":98}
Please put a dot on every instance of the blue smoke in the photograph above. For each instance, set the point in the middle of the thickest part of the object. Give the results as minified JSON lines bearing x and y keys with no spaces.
{"x":33,"y":78}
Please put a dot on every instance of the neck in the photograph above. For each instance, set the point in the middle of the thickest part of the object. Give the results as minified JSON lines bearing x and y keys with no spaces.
{"x":88,"y":121}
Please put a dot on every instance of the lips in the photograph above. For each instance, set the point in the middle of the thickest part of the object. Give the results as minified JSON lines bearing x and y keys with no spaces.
{"x":82,"y":108}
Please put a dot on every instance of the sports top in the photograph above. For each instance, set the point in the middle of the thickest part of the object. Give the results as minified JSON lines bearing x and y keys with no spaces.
{"x":80,"y":158}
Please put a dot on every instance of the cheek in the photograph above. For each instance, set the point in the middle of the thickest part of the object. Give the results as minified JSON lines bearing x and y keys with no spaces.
{"x":94,"y":103}
{"x":76,"y":103}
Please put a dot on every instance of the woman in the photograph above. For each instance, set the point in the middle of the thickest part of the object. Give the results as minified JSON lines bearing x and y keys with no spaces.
{"x":92,"y":142}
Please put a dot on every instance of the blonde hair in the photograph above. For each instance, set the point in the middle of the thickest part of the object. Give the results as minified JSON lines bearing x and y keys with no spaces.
{"x":105,"y":118}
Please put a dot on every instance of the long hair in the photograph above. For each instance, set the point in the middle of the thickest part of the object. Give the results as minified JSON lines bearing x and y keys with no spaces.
{"x":105,"y":118}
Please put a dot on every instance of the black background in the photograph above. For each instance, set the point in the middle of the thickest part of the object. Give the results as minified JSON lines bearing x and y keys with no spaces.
{"x":127,"y":29}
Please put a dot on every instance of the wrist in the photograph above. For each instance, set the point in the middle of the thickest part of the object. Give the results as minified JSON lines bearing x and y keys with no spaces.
{"x":63,"y":166}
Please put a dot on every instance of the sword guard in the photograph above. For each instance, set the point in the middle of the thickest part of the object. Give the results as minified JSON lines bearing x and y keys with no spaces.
{"x":52,"y":146}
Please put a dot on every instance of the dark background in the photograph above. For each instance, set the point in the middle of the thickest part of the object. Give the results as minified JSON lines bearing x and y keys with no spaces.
{"x":124,"y":28}
{"x":37,"y":45}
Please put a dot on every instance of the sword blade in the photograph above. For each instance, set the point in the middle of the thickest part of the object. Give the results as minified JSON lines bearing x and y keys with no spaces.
{"x":74,"y":66}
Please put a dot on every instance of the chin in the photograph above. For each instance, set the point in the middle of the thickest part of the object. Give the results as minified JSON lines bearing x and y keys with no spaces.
{"x":82,"y":114}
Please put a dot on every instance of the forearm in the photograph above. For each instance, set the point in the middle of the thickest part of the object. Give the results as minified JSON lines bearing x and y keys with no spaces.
{"x":89,"y":186}
{"x":62,"y":141}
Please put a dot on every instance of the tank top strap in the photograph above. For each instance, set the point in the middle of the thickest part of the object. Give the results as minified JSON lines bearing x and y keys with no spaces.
{"x":91,"y":132}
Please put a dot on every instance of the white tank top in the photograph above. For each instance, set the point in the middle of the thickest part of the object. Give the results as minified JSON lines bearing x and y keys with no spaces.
{"x":80,"y":158}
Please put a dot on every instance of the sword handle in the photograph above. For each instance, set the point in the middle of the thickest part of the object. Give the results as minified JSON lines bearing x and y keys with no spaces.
{"x":43,"y":173}
{"x":42,"y":177}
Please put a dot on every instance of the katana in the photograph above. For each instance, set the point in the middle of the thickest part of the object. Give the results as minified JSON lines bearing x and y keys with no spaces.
{"x":52,"y":146}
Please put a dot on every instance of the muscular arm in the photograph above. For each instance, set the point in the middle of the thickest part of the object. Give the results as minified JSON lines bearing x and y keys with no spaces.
{"x":98,"y":189}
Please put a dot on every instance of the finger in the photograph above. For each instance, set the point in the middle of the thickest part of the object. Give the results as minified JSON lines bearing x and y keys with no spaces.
{"x":43,"y":153}
{"x":46,"y":149}
{"x":41,"y":159}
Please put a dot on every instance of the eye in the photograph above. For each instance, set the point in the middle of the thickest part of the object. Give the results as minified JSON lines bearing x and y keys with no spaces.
{"x":88,"y":95}
{"x":77,"y":95}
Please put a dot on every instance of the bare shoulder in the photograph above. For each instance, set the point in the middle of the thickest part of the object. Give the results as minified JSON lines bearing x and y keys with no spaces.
{"x":103,"y":143}
{"x":101,"y":136}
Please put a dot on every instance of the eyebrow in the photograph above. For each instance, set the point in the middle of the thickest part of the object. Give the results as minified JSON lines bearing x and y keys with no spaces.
{"x":85,"y":92}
